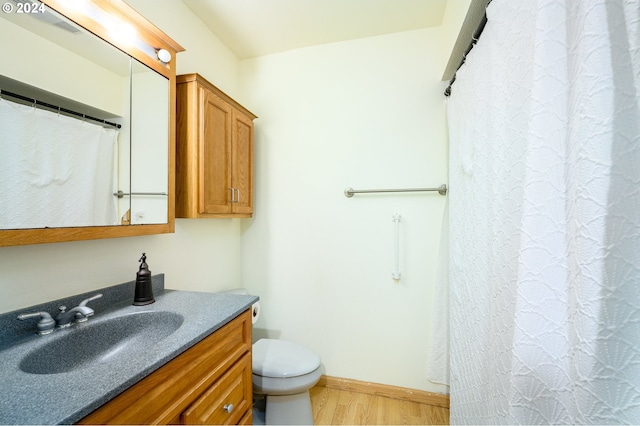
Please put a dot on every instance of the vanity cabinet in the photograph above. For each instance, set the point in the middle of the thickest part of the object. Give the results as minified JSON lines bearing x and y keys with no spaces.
{"x":214,"y":153}
{"x":210,"y":383}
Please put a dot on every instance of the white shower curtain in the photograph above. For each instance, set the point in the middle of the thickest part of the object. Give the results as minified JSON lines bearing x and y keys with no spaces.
{"x":544,"y":212}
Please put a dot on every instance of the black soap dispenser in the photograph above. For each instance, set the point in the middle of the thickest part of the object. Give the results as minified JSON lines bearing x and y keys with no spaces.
{"x":144,"y":290}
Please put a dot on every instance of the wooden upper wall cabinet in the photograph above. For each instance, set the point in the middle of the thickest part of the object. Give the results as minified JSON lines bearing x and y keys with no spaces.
{"x":214,"y":153}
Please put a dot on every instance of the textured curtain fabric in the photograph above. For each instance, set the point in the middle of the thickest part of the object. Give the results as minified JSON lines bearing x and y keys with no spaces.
{"x":544,"y":211}
{"x":55,"y":171}
{"x":438,"y":363}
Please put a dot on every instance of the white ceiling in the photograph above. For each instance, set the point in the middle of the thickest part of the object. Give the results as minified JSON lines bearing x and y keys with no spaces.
{"x":259,"y":27}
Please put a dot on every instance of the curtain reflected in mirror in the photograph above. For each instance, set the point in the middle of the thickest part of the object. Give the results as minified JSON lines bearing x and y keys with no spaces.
{"x":41,"y":182}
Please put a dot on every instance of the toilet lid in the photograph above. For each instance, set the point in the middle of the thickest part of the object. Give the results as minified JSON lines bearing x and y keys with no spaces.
{"x":279,"y":358}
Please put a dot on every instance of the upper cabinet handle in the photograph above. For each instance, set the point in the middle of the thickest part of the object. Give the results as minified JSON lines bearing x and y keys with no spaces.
{"x":233,"y":195}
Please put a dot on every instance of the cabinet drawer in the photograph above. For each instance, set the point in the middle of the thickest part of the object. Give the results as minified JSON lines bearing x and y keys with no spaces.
{"x":226,"y":401}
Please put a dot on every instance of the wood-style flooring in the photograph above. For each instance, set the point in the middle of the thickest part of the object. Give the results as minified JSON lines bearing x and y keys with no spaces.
{"x":340,"y":407}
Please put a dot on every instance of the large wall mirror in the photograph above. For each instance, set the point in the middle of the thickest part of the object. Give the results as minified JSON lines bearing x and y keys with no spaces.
{"x":86,"y":128}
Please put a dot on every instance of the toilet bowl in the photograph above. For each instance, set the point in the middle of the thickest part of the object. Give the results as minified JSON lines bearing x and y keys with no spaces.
{"x":284,"y":372}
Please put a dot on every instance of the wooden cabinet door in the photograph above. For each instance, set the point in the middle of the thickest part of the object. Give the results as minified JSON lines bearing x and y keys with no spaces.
{"x":215,"y":156}
{"x":242,"y":163}
{"x":226,"y":401}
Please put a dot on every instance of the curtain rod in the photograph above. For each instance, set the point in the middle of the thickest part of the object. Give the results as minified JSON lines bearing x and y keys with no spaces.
{"x":442,"y":190}
{"x":472,"y":43}
{"x":36,"y":102}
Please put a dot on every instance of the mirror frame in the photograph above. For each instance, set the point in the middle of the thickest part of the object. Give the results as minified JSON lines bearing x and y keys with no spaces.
{"x":152,"y":37}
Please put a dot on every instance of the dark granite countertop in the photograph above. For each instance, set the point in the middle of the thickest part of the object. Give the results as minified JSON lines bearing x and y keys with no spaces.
{"x":65,"y":398}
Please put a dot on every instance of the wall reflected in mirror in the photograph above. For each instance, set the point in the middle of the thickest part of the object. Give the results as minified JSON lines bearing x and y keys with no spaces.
{"x":60,"y":167}
{"x":150,"y":170}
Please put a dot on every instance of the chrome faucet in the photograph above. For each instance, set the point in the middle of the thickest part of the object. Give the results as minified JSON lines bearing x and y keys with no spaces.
{"x":80,"y":313}
{"x":46,"y":324}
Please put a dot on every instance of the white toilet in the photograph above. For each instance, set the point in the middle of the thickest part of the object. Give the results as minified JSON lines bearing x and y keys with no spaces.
{"x":284,"y":372}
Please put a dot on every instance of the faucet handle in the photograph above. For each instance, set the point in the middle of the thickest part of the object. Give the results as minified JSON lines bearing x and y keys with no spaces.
{"x":85,"y":316}
{"x":45,"y":325}
{"x":85,"y":301}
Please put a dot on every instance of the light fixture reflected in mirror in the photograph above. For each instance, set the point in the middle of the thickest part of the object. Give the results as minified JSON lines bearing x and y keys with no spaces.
{"x":121,"y":32}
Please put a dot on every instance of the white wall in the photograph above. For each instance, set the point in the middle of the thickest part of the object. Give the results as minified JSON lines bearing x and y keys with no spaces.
{"x":201,"y":255}
{"x":368,"y":114}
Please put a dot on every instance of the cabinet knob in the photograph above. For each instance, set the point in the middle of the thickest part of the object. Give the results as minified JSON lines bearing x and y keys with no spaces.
{"x":228,"y":408}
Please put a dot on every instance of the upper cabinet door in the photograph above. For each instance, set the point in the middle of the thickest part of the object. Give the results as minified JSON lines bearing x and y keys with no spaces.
{"x":215,"y":160}
{"x":242,"y":163}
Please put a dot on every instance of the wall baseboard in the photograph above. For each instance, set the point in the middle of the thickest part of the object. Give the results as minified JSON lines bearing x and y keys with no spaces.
{"x":396,"y":392}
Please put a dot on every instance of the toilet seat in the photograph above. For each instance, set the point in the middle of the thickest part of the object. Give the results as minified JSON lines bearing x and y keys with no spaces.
{"x":280,"y":359}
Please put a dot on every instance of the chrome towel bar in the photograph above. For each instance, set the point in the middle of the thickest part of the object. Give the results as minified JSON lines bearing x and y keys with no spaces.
{"x":442,"y":190}
{"x":121,"y":194}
